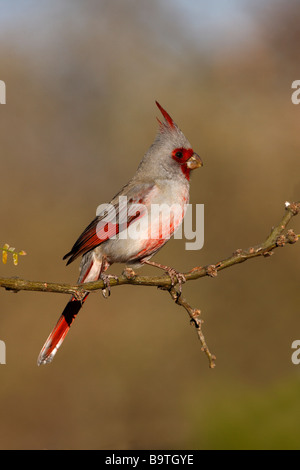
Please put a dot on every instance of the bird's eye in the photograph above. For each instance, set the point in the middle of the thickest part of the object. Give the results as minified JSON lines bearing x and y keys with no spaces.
{"x":179,"y":154}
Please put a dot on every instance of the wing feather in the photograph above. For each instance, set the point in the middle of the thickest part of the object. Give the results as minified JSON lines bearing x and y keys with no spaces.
{"x":107,"y":225}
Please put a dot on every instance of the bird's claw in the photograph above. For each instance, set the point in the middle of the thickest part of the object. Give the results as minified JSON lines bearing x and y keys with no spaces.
{"x":176,"y":277}
{"x":106,"y":279}
{"x":129,"y":273}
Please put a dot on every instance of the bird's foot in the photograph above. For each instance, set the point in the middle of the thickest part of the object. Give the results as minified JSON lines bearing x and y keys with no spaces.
{"x":175,"y":276}
{"x":106,"y":279}
{"x":129,"y":273}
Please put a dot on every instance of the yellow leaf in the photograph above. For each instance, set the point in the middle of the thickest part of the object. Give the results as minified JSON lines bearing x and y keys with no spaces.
{"x":15,"y":258}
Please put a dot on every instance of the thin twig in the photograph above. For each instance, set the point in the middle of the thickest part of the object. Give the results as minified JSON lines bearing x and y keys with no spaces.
{"x":194,"y":314}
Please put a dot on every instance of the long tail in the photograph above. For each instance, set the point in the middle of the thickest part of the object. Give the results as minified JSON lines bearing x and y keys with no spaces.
{"x":60,"y":330}
{"x":91,"y":269}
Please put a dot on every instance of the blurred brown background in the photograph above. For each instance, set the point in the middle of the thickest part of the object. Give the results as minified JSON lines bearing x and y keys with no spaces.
{"x":81,"y":79}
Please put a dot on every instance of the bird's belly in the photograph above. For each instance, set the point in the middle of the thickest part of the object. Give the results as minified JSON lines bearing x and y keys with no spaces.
{"x":145,"y":235}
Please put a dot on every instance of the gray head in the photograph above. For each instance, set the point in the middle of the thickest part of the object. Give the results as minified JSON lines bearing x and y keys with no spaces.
{"x":171,"y":154}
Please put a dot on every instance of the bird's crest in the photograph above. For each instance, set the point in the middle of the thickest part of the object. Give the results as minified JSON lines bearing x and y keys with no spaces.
{"x":169,"y":123}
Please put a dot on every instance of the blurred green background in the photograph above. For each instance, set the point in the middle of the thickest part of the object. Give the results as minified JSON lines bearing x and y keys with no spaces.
{"x":82,"y":78}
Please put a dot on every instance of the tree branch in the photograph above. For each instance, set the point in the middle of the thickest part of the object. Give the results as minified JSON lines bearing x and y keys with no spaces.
{"x":194,"y":314}
{"x":274,"y":240}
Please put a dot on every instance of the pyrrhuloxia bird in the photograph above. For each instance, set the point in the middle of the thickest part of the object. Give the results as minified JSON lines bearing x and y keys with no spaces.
{"x":123,"y":234}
